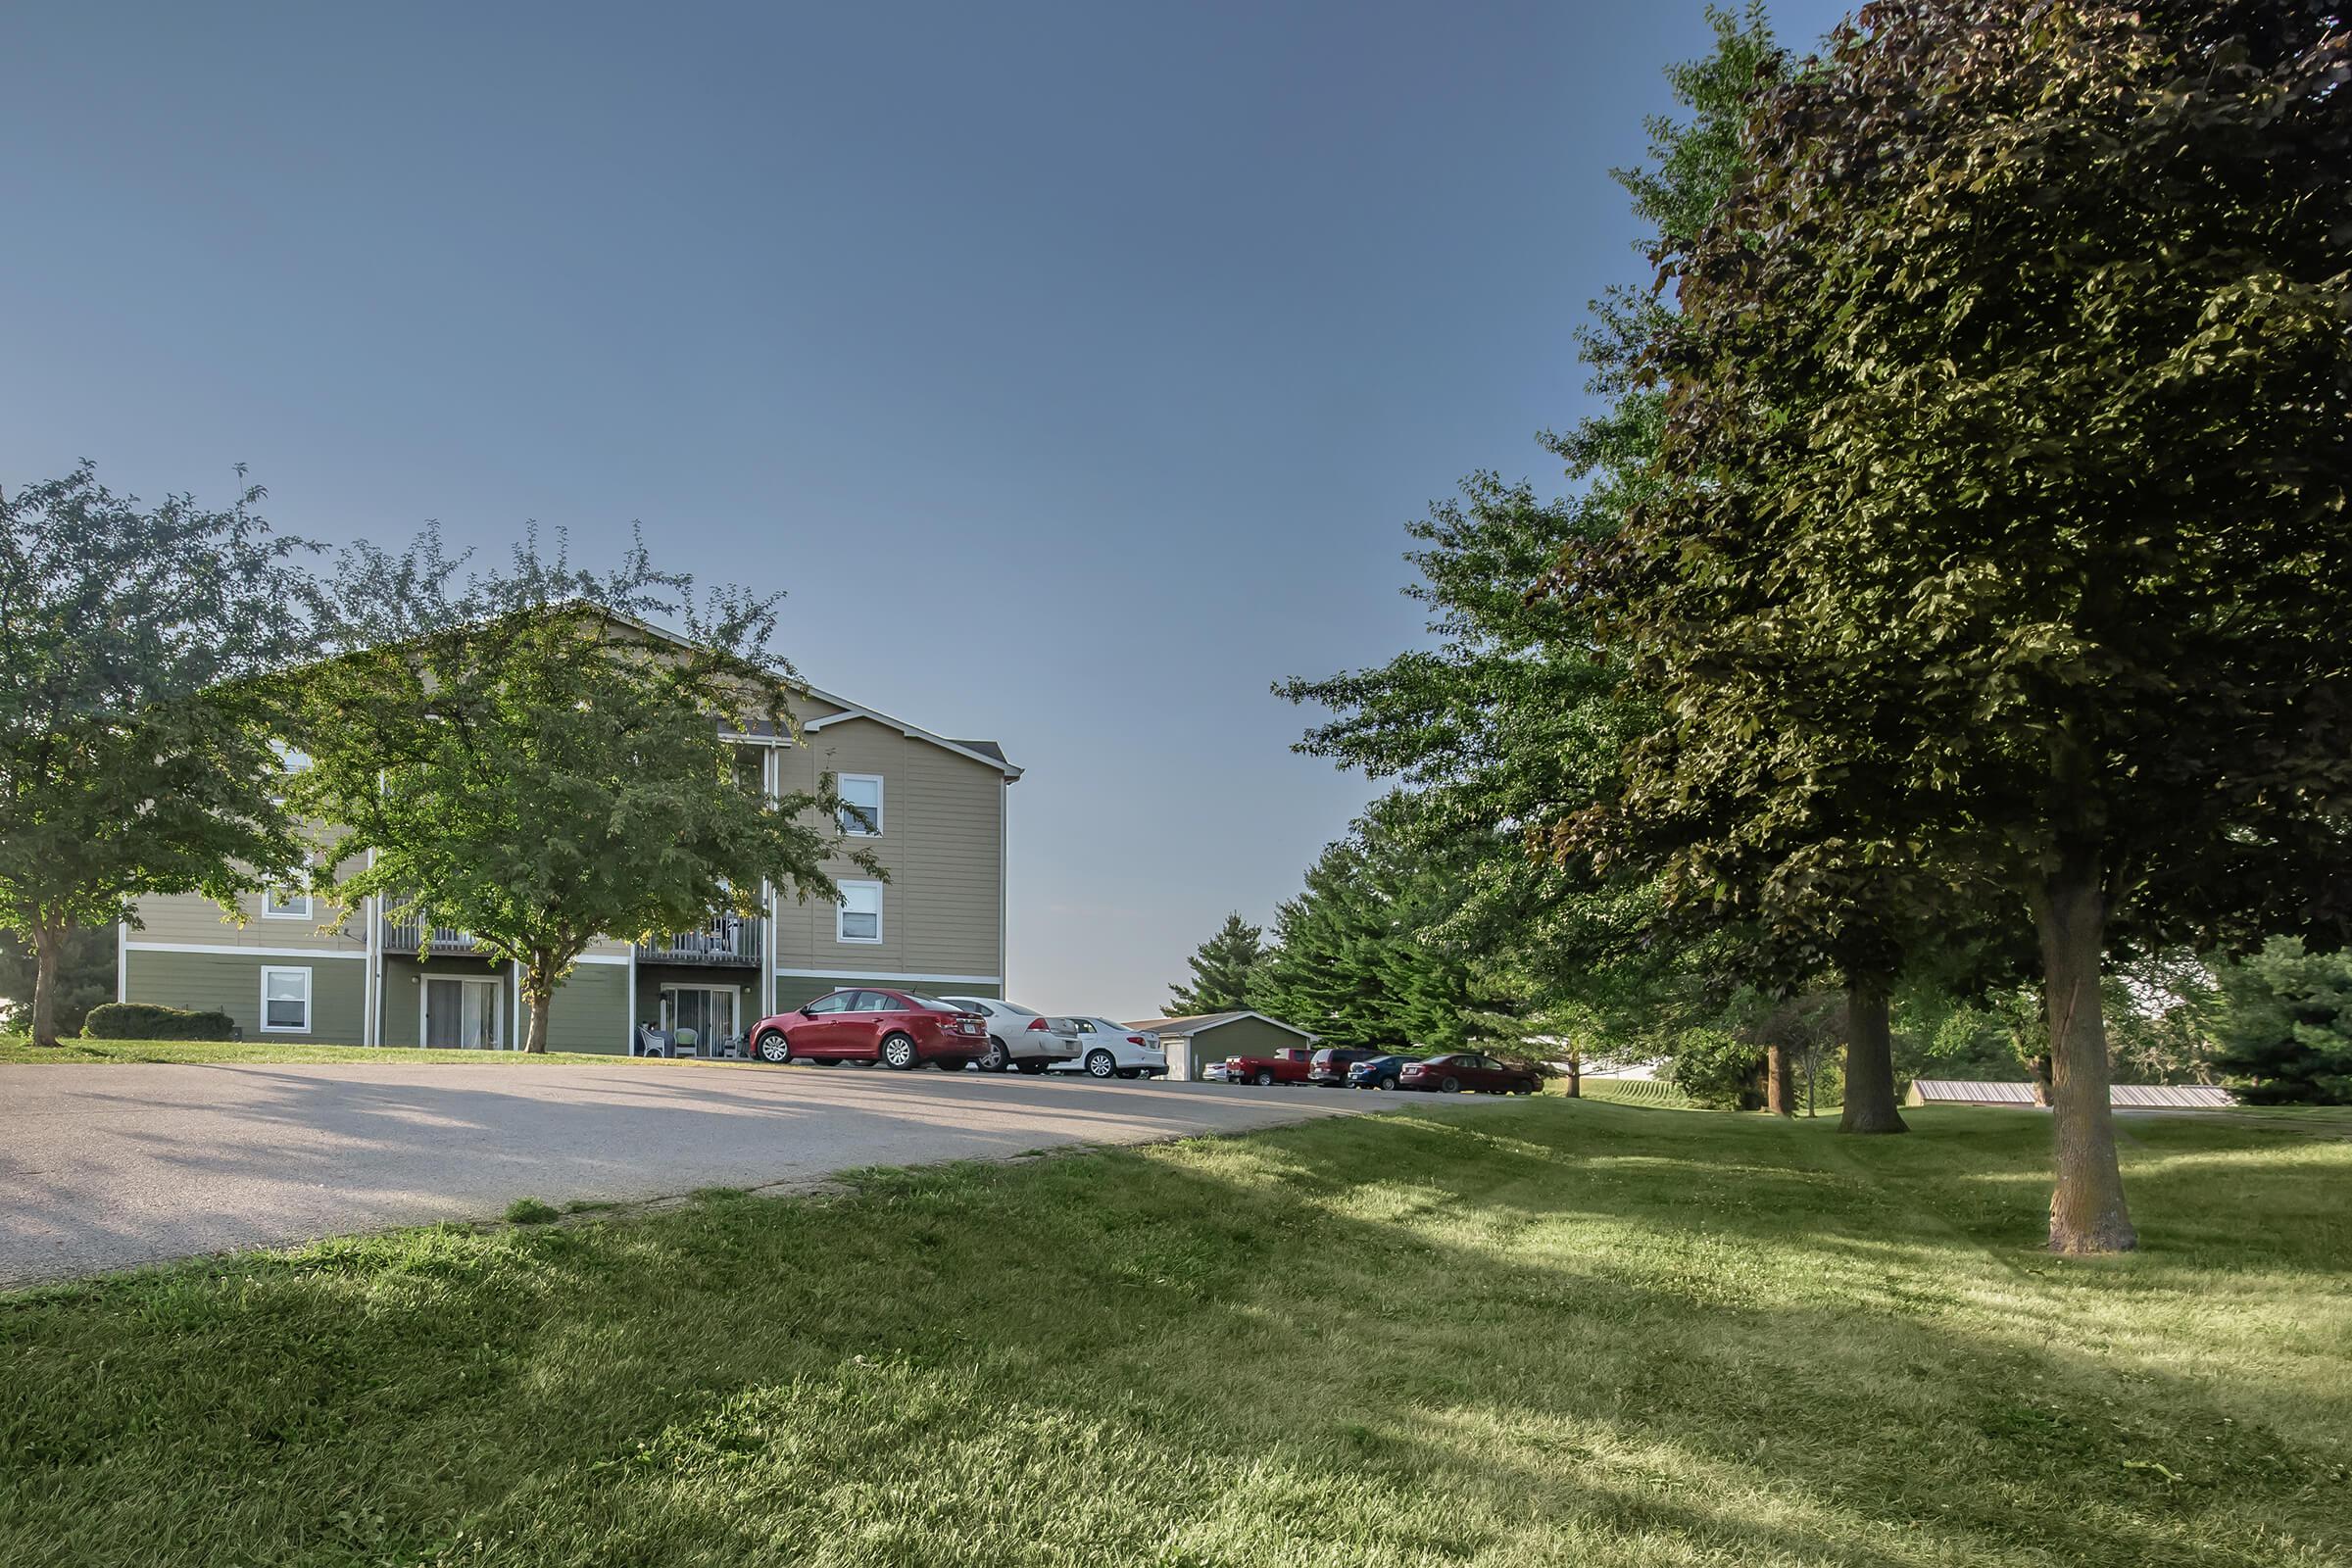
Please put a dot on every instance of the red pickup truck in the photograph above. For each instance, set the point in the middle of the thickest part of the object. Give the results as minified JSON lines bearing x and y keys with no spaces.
{"x":1289,"y":1065}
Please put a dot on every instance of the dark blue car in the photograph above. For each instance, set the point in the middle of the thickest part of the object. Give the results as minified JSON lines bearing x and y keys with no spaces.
{"x":1377,"y":1072}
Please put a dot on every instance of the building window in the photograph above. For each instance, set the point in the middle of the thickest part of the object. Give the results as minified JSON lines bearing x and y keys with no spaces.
{"x":860,"y":805}
{"x":859,"y":917}
{"x":286,"y":1002}
{"x":286,"y":903}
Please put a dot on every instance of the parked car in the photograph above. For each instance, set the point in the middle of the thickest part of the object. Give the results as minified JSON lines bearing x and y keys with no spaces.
{"x":1109,"y":1049}
{"x":1329,"y":1065}
{"x":900,"y":1029}
{"x":1216,"y":1072}
{"x":1018,"y":1039}
{"x":1379,"y":1072}
{"x":1289,"y":1065}
{"x":1467,"y":1070}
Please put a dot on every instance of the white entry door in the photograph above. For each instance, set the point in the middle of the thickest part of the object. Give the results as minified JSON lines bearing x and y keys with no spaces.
{"x":463,"y":1015}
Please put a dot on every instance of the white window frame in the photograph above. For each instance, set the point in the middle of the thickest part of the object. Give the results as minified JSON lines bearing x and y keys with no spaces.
{"x":297,"y":907}
{"x":843,"y":908}
{"x":307,"y":1007}
{"x":875,"y":779}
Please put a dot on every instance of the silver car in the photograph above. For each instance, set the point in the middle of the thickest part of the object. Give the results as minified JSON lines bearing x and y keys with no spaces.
{"x":1019,"y":1039}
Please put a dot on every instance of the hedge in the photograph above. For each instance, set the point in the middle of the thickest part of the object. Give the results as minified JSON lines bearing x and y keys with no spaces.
{"x":144,"y":1020}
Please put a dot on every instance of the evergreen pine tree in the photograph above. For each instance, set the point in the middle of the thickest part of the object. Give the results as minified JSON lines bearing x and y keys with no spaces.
{"x":1222,"y":970}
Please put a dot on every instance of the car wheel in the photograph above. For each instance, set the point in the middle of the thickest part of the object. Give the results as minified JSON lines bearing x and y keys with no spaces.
{"x":1452,"y":1086}
{"x":774,"y":1048}
{"x":1101,"y":1063}
{"x":1264,"y":1079}
{"x":1389,"y":1081}
{"x":998,"y":1058}
{"x":897,"y":1052}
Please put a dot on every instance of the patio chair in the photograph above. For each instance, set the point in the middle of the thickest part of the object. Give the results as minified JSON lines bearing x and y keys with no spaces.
{"x":651,"y":1042}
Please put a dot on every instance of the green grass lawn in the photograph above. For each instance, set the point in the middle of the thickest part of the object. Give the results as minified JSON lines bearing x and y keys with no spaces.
{"x":21,"y":1049}
{"x":1543,"y":1333}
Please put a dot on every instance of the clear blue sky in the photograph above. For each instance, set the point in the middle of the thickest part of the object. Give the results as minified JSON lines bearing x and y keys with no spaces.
{"x":1075,"y":367}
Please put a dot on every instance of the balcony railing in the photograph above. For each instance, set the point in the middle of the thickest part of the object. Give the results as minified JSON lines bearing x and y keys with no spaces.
{"x":721,"y":939}
{"x":408,"y":936}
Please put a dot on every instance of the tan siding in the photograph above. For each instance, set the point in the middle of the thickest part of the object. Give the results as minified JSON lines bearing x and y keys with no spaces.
{"x":942,"y":845}
{"x":190,"y":917}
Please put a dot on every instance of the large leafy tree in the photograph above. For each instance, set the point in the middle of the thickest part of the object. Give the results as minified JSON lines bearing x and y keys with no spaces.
{"x":2005,"y":435}
{"x":514,"y":752}
{"x":1222,"y":968}
{"x":131,"y":760}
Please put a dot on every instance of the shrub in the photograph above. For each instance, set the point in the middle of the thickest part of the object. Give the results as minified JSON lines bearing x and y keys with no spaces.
{"x":144,"y":1020}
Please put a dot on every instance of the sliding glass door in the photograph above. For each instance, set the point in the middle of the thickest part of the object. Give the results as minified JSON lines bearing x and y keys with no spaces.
{"x":465,"y":1015}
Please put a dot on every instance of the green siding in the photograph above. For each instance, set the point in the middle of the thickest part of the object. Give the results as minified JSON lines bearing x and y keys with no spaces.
{"x":232,"y":983}
{"x":404,"y":991}
{"x":591,"y":1011}
{"x":1243,"y":1036}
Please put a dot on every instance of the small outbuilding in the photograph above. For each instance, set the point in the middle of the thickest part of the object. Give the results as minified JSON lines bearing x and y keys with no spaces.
{"x":1191,"y":1044}
{"x":2122,"y":1096}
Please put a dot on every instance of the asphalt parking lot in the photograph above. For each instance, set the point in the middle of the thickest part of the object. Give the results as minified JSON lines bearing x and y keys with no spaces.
{"x":105,"y":1166}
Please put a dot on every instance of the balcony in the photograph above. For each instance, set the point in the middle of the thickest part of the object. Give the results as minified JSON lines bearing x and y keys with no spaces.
{"x":723,"y":939}
{"x":408,"y":936}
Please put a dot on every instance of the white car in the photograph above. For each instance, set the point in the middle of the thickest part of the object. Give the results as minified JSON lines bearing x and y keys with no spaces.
{"x":1018,"y":1038}
{"x":1107,"y":1048}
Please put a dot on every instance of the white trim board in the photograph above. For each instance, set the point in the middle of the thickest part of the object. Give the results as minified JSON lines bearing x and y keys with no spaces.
{"x":854,"y":974}
{"x":245,"y":952}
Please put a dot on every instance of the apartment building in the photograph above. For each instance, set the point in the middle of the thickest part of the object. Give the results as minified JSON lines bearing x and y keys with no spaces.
{"x":929,"y":809}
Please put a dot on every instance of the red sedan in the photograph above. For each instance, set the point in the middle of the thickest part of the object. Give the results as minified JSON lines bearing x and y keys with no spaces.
{"x":1467,"y":1070}
{"x":900,"y":1029}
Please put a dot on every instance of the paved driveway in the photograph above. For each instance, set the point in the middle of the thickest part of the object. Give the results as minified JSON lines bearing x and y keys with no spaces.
{"x":106,"y":1165}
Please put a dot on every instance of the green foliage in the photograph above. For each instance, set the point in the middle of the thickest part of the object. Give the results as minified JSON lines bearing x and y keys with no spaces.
{"x":1350,"y":960}
{"x":1717,"y":1070}
{"x":130,"y":762}
{"x":85,"y":977}
{"x":1223,"y":971}
{"x":146,"y":1020}
{"x":2287,"y":1033}
{"x":517,"y":750}
{"x":1510,"y":723}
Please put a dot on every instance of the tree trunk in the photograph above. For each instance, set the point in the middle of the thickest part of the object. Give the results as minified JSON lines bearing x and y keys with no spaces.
{"x":48,"y":946}
{"x":2088,"y":1213}
{"x":2038,"y":1071}
{"x":1576,"y":1076}
{"x":1870,"y":1106}
{"x":538,"y":988}
{"x":1779,"y":1081}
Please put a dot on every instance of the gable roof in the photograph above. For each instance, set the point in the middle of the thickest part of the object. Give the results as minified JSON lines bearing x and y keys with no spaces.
{"x":1200,"y":1024}
{"x":986,"y":752}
